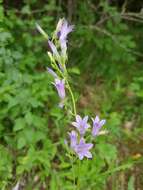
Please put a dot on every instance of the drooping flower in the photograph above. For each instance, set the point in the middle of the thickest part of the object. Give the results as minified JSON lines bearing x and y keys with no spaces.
{"x":73,"y":139}
{"x":60,"y":86}
{"x":97,"y":124}
{"x":81,"y":124}
{"x":82,"y":149}
{"x":50,"y":71}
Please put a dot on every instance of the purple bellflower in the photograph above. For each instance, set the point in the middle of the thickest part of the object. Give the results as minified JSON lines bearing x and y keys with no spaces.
{"x":60,"y":86}
{"x":63,"y":29}
{"x":73,"y":139}
{"x":97,"y":124}
{"x":50,"y":71}
{"x":82,"y":149}
{"x":81,"y":124}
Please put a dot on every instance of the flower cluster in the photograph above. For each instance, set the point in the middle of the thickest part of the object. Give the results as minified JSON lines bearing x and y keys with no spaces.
{"x":58,"y":58}
{"x":77,"y":140}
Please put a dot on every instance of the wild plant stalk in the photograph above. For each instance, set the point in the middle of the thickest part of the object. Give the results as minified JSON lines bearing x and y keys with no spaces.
{"x":58,"y":56}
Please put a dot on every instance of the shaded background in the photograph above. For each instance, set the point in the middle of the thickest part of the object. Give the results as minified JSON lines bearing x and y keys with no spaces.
{"x":106,"y":68}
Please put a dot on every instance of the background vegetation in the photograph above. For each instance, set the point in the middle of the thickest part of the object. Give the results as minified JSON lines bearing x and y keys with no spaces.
{"x":106,"y":66}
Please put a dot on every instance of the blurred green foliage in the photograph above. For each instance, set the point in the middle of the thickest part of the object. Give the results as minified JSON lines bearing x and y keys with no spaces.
{"x":105,"y":61}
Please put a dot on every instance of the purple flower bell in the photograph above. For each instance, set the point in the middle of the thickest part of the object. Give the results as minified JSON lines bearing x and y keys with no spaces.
{"x":81,"y":124}
{"x":63,"y":29}
{"x":73,"y":139}
{"x":60,"y":86}
{"x":51,"y":72}
{"x":97,"y":124}
{"x":82,"y":149}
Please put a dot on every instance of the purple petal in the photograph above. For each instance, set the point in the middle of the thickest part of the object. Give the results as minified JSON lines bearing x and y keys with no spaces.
{"x":73,"y":139}
{"x":82,"y":141}
{"x":65,"y":29}
{"x":102,"y":122}
{"x":82,"y":149}
{"x":82,"y":131}
{"x":97,"y":124}
{"x":85,"y":126}
{"x":59,"y":84}
{"x":85,"y":119}
{"x":52,"y":72}
{"x":80,"y":156}
{"x":96,"y":120}
{"x":89,"y":145}
{"x":78,"y":118}
{"x":53,"y":48}
{"x":88,"y":154}
{"x":81,"y":124}
{"x":95,"y":131}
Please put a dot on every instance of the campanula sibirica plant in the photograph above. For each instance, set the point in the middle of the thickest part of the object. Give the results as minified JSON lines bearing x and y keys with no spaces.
{"x":80,"y":146}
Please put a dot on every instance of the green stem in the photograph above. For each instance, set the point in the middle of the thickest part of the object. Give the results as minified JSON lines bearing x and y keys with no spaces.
{"x":70,"y":91}
{"x":73,"y":171}
{"x":72,"y":96}
{"x":65,"y":76}
{"x":78,"y":182}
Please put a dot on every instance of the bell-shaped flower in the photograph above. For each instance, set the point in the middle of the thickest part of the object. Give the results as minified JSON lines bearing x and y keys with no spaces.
{"x":73,"y":139}
{"x":82,"y":149}
{"x":97,"y":124}
{"x":60,"y":86}
{"x":64,"y":30}
{"x":81,"y":124}
{"x":51,"y":72}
